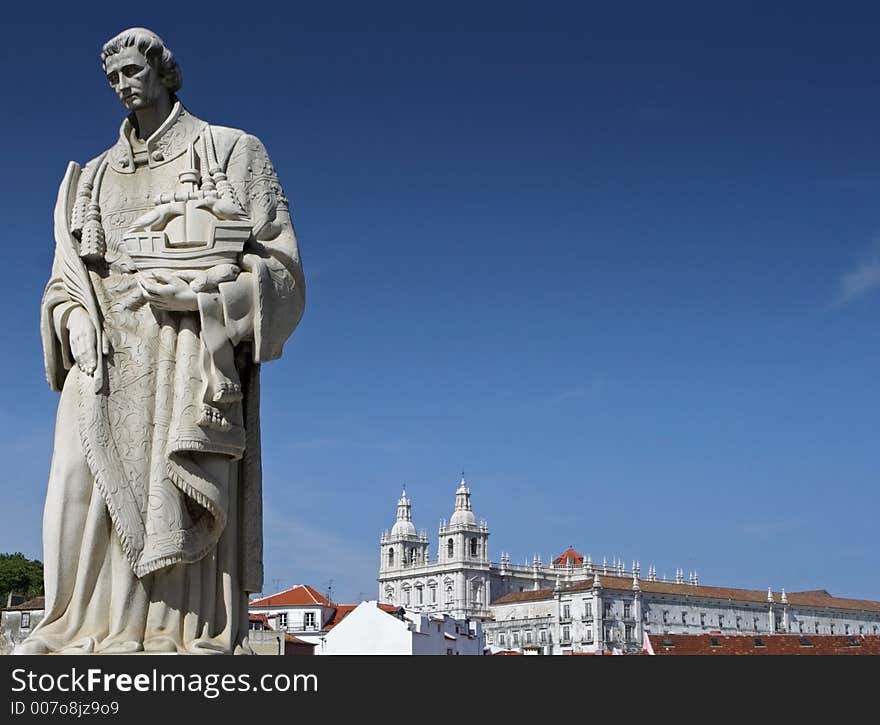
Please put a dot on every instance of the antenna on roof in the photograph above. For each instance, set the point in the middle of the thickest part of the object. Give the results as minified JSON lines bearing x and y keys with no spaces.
{"x":330,"y":590}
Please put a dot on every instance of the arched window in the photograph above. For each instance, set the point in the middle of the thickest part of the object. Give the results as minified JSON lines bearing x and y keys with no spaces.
{"x":450,"y":548}
{"x":390,"y":557}
{"x":412,"y":555}
{"x":474,"y":547}
{"x":449,"y":594}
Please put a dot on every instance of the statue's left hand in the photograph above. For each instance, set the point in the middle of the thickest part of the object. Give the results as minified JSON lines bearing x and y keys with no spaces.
{"x":168,"y":292}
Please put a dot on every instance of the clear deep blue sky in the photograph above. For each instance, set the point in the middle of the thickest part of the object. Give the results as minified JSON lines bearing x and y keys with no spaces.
{"x":621,"y":265}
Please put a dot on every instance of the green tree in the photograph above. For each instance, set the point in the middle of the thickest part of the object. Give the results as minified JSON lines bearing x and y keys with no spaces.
{"x":20,"y":575}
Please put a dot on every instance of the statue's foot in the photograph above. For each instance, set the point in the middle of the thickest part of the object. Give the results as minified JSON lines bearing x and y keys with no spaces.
{"x":160,"y":644}
{"x":84,"y":646}
{"x":206,"y":647}
{"x":121,"y":647}
{"x":227,"y":392}
{"x":213,"y":419}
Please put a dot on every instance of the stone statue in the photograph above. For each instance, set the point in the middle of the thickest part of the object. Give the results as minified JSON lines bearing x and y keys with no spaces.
{"x":176,"y":274}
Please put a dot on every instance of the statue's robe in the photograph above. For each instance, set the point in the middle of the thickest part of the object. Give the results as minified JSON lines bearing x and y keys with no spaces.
{"x":152,"y":530}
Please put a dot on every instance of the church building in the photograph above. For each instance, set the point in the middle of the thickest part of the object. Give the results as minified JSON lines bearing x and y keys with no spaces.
{"x":572,"y":605}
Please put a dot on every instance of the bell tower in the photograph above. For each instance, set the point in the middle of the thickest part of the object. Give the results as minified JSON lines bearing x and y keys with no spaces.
{"x":464,"y":554}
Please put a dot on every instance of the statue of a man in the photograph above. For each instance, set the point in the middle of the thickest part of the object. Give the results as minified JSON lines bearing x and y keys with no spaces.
{"x":176,"y":274}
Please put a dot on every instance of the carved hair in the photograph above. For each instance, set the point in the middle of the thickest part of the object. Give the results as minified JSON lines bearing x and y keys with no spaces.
{"x":153,"y":49}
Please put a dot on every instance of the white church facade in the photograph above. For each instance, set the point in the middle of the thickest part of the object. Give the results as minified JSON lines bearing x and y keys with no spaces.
{"x":572,"y":605}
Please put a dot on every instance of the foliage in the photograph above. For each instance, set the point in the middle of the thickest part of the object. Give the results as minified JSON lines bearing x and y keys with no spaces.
{"x":20,"y":575}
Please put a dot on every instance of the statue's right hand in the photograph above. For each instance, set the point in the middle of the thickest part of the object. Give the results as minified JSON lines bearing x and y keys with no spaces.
{"x":83,"y":340}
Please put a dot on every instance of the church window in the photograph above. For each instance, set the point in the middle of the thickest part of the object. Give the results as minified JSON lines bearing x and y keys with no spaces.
{"x":566,"y":611}
{"x":406,"y":597}
{"x":609,"y":610}
{"x":420,"y":595}
{"x":739,"y":622}
{"x":390,"y":557}
{"x":665,"y":616}
{"x":412,"y":555}
{"x":684,"y":618}
{"x":702,"y":619}
{"x":588,"y":610}
{"x":630,"y":633}
{"x":474,"y":547}
{"x":720,"y":621}
{"x":25,"y":620}
{"x":846,"y":629}
{"x":627,"y":610}
{"x":450,"y":548}
{"x":433,"y":595}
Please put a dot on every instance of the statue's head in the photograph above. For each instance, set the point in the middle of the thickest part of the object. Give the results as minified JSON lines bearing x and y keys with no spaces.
{"x":139,"y":68}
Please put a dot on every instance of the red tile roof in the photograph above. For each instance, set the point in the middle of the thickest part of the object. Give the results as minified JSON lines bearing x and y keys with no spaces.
{"x":296,"y":640}
{"x":569,"y":555}
{"x":819,"y":599}
{"x":536,"y":595}
{"x":338,"y":614}
{"x":769,"y":644}
{"x":260,"y":618}
{"x":343,"y":610}
{"x":299,"y":595}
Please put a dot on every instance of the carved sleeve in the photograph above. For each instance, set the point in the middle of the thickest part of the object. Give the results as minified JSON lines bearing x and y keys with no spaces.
{"x":266,"y":302}
{"x":56,"y":307}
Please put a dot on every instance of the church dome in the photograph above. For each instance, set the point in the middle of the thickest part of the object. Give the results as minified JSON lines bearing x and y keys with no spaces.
{"x":404,"y":526}
{"x":463,"y":517}
{"x":569,"y":557}
{"x":463,"y":514}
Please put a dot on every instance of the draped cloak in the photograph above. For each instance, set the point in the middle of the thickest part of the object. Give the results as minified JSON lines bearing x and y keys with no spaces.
{"x":153,"y":523}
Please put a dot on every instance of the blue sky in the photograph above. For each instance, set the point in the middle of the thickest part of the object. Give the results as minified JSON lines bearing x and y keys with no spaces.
{"x":621,"y":265}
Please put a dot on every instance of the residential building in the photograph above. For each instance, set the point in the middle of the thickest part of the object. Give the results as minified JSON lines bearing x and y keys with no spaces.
{"x":370,"y":629}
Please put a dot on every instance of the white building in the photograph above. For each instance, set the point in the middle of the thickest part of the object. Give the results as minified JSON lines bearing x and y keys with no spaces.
{"x":372,"y":630}
{"x":573,"y":605}
{"x":301,"y":611}
{"x":18,"y":620}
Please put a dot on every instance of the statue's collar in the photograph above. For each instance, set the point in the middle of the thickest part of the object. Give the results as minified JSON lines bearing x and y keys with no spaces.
{"x":169,"y":141}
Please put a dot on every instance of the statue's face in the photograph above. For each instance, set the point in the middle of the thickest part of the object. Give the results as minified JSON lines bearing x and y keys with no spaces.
{"x":134,"y":79}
